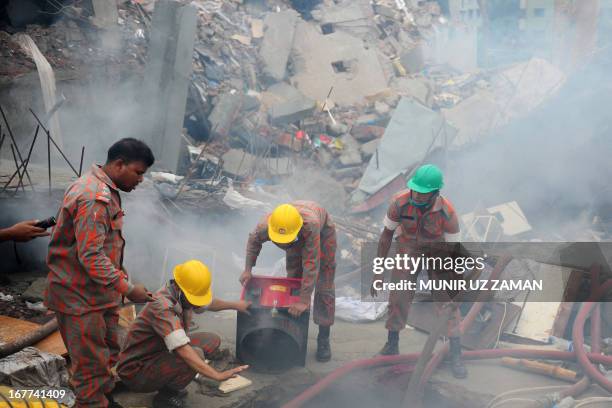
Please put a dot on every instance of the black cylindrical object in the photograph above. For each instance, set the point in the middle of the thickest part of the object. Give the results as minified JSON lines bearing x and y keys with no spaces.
{"x":270,"y":340}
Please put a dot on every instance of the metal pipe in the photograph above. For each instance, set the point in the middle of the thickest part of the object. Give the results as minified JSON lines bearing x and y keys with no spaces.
{"x":8,"y":127}
{"x":17,"y":166}
{"x":81,"y":162}
{"x":54,"y":144}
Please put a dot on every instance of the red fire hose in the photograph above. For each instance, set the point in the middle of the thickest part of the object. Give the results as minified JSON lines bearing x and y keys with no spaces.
{"x":578,"y":336}
{"x":586,"y":360}
{"x":412,"y":357}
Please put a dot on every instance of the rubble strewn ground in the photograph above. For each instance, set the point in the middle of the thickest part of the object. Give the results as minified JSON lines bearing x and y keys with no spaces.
{"x":336,"y":101}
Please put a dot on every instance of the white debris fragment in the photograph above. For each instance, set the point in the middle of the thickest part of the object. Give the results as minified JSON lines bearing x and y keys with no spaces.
{"x":38,"y":306}
{"x":6,"y":298}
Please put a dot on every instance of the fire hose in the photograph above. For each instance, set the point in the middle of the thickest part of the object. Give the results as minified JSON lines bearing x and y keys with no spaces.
{"x":586,"y":360}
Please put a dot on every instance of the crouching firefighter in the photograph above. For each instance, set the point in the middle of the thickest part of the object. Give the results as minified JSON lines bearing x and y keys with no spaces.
{"x":306,"y":232}
{"x":158,"y":355}
{"x":421,"y":215}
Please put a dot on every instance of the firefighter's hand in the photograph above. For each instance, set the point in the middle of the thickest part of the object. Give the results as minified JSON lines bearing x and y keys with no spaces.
{"x":140,"y":294}
{"x":297,"y":309}
{"x":225,"y":375}
{"x":245,"y":277}
{"x":25,"y":231}
{"x":243,"y":306}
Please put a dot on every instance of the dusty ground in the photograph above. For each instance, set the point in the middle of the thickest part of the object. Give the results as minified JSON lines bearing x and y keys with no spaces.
{"x":349,"y":342}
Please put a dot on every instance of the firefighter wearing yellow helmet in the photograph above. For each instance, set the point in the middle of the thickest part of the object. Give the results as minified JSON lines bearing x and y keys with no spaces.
{"x":158,"y":354}
{"x":305,"y":231}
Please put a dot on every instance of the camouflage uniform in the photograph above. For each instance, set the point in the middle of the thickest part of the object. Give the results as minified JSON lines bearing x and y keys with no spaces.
{"x":312,"y":258}
{"x":86,"y":282}
{"x":417,"y":226}
{"x":147,"y":362}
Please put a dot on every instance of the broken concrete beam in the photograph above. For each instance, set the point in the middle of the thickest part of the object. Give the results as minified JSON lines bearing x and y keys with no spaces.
{"x":369,"y":148}
{"x":291,"y":105}
{"x":365,"y":133}
{"x":224,"y":113}
{"x":166,"y":80}
{"x":291,"y":111}
{"x":277,"y":44}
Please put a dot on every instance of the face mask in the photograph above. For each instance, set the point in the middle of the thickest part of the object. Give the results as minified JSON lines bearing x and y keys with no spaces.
{"x":425,"y":204}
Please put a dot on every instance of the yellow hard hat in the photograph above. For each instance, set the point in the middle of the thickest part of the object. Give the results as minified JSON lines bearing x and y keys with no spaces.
{"x":284,"y":224}
{"x":194,"y":279}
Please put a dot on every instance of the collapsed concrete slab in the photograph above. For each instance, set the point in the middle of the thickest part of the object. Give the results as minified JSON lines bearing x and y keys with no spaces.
{"x":418,"y":88}
{"x":288,"y":104}
{"x":276,"y":45}
{"x":525,"y":86}
{"x":413,"y":132}
{"x":473,"y":117}
{"x":339,"y":60}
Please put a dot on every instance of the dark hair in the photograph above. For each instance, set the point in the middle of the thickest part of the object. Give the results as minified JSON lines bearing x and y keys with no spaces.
{"x":130,"y":150}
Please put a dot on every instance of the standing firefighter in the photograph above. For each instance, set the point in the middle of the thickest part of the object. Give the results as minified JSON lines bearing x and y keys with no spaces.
{"x":158,"y":354}
{"x":86,"y":278}
{"x":423,"y":216}
{"x":305,"y":231}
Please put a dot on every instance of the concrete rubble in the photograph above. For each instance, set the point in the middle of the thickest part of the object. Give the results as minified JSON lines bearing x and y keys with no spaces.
{"x":257,"y":102}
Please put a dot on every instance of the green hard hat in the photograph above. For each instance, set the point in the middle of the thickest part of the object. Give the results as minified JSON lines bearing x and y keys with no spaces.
{"x":426,"y":179}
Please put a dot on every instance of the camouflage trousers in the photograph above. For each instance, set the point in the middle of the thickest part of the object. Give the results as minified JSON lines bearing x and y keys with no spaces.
{"x":400,"y":301}
{"x":93,"y":345}
{"x":165,"y":369}
{"x":324,"y":304}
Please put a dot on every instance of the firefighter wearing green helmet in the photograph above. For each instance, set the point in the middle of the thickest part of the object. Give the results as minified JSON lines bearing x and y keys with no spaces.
{"x":419,"y":214}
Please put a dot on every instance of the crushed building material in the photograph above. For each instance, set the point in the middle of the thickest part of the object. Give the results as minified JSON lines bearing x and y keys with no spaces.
{"x":242,"y":164}
{"x":413,"y":125}
{"x":279,"y":30}
{"x":339,"y":60}
{"x":290,"y":105}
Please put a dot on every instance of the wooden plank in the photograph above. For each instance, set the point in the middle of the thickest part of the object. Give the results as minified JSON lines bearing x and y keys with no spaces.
{"x":12,"y":329}
{"x":53,"y":344}
{"x":234,"y":384}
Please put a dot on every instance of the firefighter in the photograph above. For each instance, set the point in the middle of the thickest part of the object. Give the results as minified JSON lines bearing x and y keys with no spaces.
{"x":158,"y":355}
{"x":422,"y":215}
{"x":86,"y":278}
{"x":306,"y":232}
